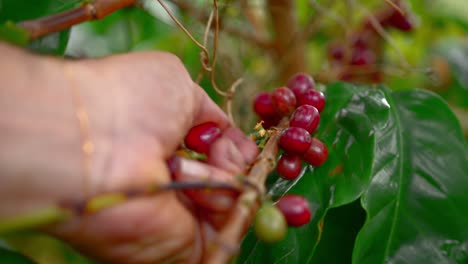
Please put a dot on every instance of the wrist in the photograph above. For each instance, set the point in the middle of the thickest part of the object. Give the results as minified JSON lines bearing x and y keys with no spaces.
{"x":40,"y":143}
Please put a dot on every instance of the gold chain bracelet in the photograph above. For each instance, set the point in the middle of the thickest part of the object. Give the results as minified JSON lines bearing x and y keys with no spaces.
{"x":87,"y":146}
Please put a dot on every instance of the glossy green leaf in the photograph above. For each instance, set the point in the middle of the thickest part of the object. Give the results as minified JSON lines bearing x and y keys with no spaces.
{"x":348,"y":124}
{"x":341,"y":227}
{"x":416,"y":202}
{"x":410,"y":147}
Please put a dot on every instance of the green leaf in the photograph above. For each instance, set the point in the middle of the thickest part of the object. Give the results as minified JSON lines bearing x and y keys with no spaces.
{"x":11,"y":257}
{"x":21,"y":10}
{"x":348,"y":125}
{"x":416,"y":202}
{"x":13,"y":34}
{"x":342,"y":225}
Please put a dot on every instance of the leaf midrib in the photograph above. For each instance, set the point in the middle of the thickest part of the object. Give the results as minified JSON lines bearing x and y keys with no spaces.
{"x":402,"y":155}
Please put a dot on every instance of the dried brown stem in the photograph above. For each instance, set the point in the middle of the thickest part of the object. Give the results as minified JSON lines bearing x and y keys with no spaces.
{"x":179,"y":24}
{"x":231,"y":235}
{"x":58,"y":22}
{"x":202,"y":16}
{"x":230,"y":98}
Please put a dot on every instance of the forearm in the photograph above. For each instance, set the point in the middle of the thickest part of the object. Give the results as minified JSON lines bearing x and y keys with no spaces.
{"x":39,"y":133}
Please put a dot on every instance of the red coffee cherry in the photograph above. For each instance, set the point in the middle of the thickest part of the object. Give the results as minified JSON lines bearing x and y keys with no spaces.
{"x":305,"y":116}
{"x":397,"y":20}
{"x":317,"y":153}
{"x":363,"y":57}
{"x":295,"y":140}
{"x":200,"y":137}
{"x":300,"y":82}
{"x":289,"y":166}
{"x":263,"y":105}
{"x":270,"y":121}
{"x":336,"y":52}
{"x":283,"y":100}
{"x":312,"y":97}
{"x":295,"y":209}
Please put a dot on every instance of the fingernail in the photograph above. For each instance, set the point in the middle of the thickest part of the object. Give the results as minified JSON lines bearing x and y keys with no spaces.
{"x":191,"y":171}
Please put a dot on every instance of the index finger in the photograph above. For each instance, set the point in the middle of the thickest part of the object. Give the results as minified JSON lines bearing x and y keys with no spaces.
{"x":206,"y":110}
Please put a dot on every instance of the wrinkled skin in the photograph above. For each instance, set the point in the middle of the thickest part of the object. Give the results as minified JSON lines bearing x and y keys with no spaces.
{"x":140,"y":106}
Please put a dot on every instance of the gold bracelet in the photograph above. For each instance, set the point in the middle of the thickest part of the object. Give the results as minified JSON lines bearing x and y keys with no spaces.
{"x":87,"y":146}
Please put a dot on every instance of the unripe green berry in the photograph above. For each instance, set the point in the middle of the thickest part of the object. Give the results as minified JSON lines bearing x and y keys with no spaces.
{"x":269,"y":223}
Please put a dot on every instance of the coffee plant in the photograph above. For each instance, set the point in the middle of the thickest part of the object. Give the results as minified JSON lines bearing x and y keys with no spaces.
{"x":359,"y":109}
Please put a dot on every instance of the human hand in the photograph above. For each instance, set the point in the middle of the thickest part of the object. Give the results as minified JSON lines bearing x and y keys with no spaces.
{"x":140,"y":107}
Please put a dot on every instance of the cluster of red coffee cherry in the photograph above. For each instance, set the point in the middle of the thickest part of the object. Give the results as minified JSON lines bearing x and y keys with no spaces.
{"x":358,"y":59}
{"x":300,"y":101}
{"x":304,"y":102}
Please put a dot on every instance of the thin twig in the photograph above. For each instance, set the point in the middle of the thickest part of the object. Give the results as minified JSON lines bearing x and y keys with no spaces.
{"x":93,"y":10}
{"x":230,"y":236}
{"x":396,"y":7}
{"x":202,"y":16}
{"x":203,"y":48}
{"x":215,"y":51}
{"x":230,"y":98}
{"x":329,"y":13}
{"x":381,"y":31}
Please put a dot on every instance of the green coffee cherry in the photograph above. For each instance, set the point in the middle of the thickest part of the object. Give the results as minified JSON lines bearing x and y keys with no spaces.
{"x":269,"y":224}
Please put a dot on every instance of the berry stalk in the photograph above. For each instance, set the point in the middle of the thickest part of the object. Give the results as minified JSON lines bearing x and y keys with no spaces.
{"x":242,"y":214}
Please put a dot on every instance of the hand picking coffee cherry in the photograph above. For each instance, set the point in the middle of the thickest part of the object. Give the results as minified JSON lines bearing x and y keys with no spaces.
{"x":295,"y":209}
{"x":289,"y":166}
{"x":295,"y":140}
{"x":300,"y":82}
{"x":283,"y":100}
{"x":200,"y":137}
{"x":305,"y":116}
{"x":269,"y":223}
{"x":317,"y":153}
{"x":312,"y":97}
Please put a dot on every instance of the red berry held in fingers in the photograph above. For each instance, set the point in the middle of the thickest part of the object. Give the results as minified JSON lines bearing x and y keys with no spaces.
{"x":300,"y":82}
{"x":312,"y":97}
{"x":295,"y":209}
{"x":200,"y":137}
{"x":317,"y":153}
{"x":283,"y":100}
{"x":295,"y":140}
{"x":263,"y":105}
{"x":289,"y":166}
{"x":305,"y":116}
